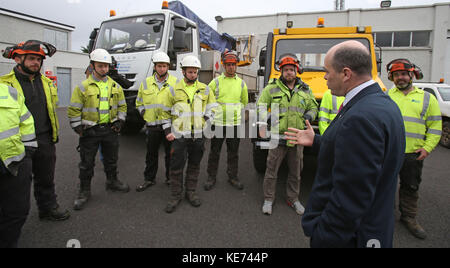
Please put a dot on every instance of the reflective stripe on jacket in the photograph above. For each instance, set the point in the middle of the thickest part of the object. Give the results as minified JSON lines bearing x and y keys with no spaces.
{"x":156,"y":102}
{"x":85,"y":102}
{"x":232,"y":96}
{"x":329,"y":108}
{"x":288,"y":110}
{"x":51,"y":95}
{"x":422,"y":118}
{"x":16,"y":126}
{"x":188,"y":117}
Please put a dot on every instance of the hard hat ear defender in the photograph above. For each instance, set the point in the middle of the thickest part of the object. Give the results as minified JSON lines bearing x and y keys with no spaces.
{"x":30,"y":47}
{"x":403,"y":65}
{"x":288,"y":59}
{"x":229,"y":57}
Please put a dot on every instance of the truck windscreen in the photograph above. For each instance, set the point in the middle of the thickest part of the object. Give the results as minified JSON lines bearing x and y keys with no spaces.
{"x":445,"y":93}
{"x":131,"y":34}
{"x":311,"y":52}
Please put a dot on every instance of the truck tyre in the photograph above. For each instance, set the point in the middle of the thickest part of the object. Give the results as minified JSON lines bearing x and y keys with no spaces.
{"x":445,"y":138}
{"x":259,"y":159}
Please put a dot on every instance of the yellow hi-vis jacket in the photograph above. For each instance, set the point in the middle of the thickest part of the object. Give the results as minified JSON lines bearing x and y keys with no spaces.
{"x":287,"y":109}
{"x":51,"y":95}
{"x":84,"y":105}
{"x":156,"y":102}
{"x":329,"y":108}
{"x":188,"y":116}
{"x":232,"y":96}
{"x":16,"y":126}
{"x":422,"y":117}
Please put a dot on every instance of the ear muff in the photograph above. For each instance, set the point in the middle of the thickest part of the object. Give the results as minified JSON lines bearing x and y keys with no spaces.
{"x":403,"y":65}
{"x":418,"y":73}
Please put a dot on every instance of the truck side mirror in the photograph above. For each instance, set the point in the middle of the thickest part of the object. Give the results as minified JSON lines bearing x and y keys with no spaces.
{"x":179,"y":38}
{"x":93,"y":34}
{"x":262,"y":57}
{"x":180,"y":23}
{"x":91,"y":45}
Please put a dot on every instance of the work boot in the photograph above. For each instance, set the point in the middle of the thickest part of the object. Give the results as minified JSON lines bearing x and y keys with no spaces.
{"x":83,"y":195}
{"x":414,"y":227}
{"x":236,"y":183}
{"x":297,"y":206}
{"x":82,"y":199}
{"x":115,"y":185}
{"x":193,"y":199}
{"x":267,"y":207}
{"x":55,"y":214}
{"x":172,"y":205}
{"x":145,"y":185}
{"x":209,"y":184}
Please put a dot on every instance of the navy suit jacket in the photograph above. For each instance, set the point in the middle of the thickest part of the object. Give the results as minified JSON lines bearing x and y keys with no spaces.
{"x":360,"y":155}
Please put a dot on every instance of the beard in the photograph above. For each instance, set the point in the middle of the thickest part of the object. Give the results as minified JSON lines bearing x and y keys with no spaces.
{"x":403,"y":85}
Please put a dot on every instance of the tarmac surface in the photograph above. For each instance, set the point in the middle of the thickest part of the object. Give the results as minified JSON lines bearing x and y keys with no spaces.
{"x":227,"y":218}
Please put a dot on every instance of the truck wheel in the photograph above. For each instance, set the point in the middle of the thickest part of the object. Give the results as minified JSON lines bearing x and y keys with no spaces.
{"x":445,"y":138}
{"x":259,"y":159}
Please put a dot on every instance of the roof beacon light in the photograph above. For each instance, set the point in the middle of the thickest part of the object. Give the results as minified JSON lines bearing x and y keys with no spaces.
{"x":320,"y":23}
{"x":165,"y":5}
{"x":112,"y":13}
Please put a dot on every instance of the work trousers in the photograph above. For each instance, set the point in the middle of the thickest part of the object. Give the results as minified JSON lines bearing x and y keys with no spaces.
{"x":156,"y":137}
{"x":190,"y":150}
{"x":232,"y":155}
{"x":90,"y":141}
{"x":410,"y":179}
{"x":44,"y":163}
{"x":294,"y":157}
{"x":14,"y":204}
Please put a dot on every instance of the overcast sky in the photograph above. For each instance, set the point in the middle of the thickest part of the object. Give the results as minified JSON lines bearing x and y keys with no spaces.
{"x":86,"y":15}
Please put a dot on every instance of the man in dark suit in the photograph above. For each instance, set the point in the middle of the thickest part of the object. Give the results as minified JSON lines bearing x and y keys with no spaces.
{"x":359,"y":158}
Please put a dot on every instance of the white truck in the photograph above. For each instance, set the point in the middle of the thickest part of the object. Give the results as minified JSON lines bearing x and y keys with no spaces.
{"x":133,"y":39}
{"x":442,"y":93}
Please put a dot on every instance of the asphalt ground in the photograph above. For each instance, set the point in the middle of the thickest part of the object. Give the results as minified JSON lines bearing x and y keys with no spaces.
{"x":228,"y":218}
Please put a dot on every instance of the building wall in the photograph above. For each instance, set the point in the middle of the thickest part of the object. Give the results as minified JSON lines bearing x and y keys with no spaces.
{"x":26,"y":30}
{"x":435,"y":18}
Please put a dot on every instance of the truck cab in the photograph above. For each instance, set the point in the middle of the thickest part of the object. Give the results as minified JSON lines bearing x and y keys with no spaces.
{"x":442,"y":93}
{"x":310,"y":45}
{"x":132,"y":41}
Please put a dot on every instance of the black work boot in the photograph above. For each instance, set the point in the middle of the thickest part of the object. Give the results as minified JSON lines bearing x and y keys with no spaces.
{"x":115,"y":185}
{"x":83,"y":195}
{"x":414,"y":227}
{"x":145,"y":185}
{"x":209,"y":184}
{"x":193,"y":199}
{"x":55,"y":214}
{"x":172,"y":205}
{"x":236,"y":183}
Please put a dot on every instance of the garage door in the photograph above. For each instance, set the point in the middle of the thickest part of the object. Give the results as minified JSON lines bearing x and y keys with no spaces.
{"x":64,"y":83}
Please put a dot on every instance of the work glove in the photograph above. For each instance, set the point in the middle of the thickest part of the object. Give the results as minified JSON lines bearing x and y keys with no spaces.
{"x":79,"y":130}
{"x":117,"y":126}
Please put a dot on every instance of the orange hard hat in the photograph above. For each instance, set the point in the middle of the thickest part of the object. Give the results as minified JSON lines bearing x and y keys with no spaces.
{"x":230,"y":56}
{"x":288,"y":59}
{"x":30,"y":47}
{"x":403,"y":65}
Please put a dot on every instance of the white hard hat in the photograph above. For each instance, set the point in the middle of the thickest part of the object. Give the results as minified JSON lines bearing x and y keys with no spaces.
{"x":191,"y":61}
{"x":160,"y":57}
{"x":101,"y":55}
